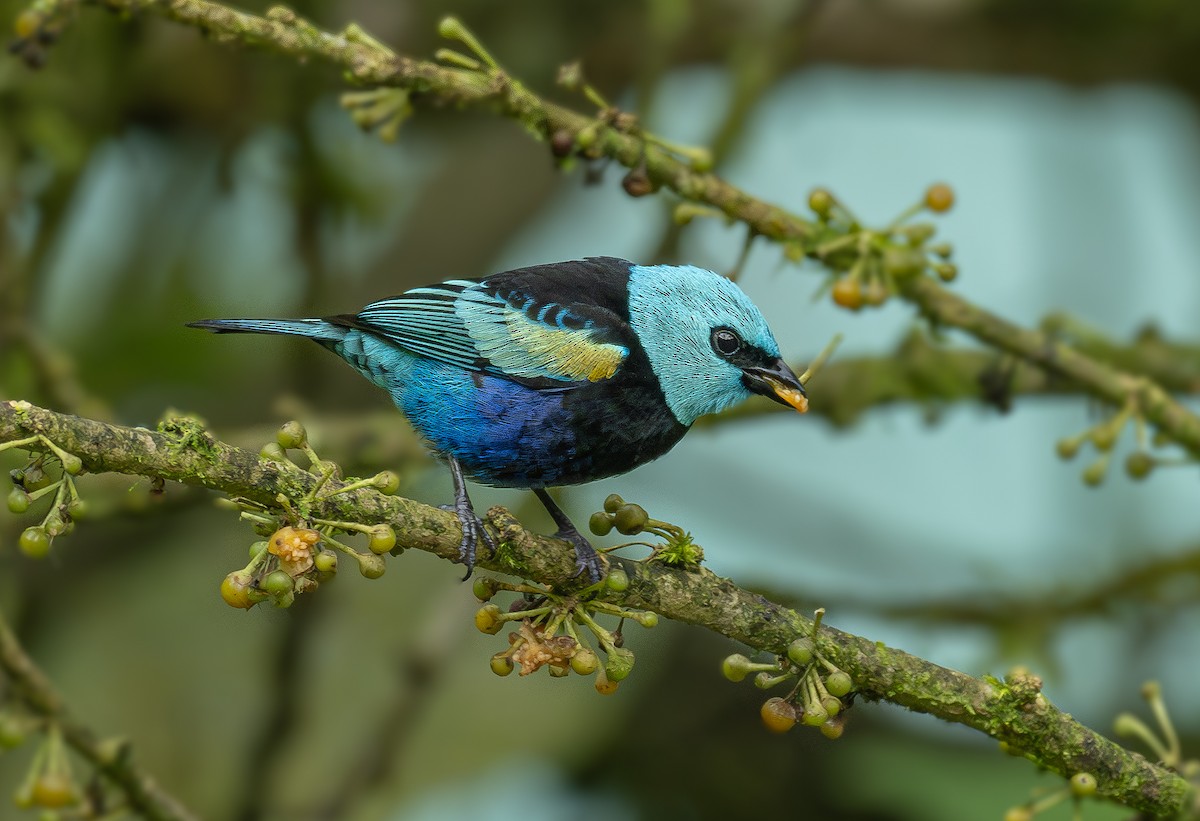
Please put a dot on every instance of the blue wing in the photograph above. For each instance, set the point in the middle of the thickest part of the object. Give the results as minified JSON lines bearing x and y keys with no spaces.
{"x":507,"y":333}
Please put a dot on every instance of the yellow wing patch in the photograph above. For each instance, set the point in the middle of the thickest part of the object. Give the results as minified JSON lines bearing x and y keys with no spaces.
{"x":571,"y":354}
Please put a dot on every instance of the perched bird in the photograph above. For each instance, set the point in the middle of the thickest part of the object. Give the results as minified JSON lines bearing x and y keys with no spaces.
{"x":555,"y":374}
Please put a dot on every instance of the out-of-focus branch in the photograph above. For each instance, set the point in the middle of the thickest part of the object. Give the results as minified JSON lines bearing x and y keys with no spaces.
{"x":112,"y":758}
{"x":1013,"y":711}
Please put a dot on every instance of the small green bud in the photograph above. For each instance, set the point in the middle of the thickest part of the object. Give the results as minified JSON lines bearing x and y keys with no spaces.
{"x":72,"y":464}
{"x":764,"y":680}
{"x":943,"y":249}
{"x":272,"y":452}
{"x":946,"y":271}
{"x":387,"y":482}
{"x":12,"y":731}
{"x":604,"y":685}
{"x":600,"y":523}
{"x":613,"y":503}
{"x":834,"y":727}
{"x":814,"y":715}
{"x":831,"y":704}
{"x":1018,"y":814}
{"x":801,"y":651}
{"x":1151,"y":690}
{"x":1104,"y":437}
{"x":449,"y":28}
{"x":839,"y":683}
{"x":1127,"y":725}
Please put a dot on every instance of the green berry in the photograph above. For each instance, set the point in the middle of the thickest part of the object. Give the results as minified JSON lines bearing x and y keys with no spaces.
{"x":1067,"y":448}
{"x":272,"y":453}
{"x":12,"y":731}
{"x":487,"y":619}
{"x":257,"y":548}
{"x":946,"y":271}
{"x":1083,"y":785}
{"x":77,"y":509}
{"x":370,"y":565}
{"x":484,"y":588}
{"x":325,"y":561}
{"x":501,"y":664}
{"x":237,"y":592}
{"x":778,"y":715}
{"x":382,"y":539}
{"x":617,"y":580}
{"x":600,"y":523}
{"x":839,"y":683}
{"x":291,"y":435}
{"x":72,"y":464}
{"x":35,"y":542}
{"x":619,"y":664}
{"x":18,"y":501}
{"x":943,"y":249}
{"x":832,"y":705}
{"x":834,"y":727}
{"x":277,"y":583}
{"x":1139,"y":464}
{"x":584,"y":662}
{"x":821,"y":202}
{"x":801,"y":651}
{"x":814,"y":715}
{"x":630,"y":519}
{"x":387,"y":482}
{"x":647,"y":619}
{"x":613,"y":503}
{"x":735,"y":667}
{"x":1093,"y":474}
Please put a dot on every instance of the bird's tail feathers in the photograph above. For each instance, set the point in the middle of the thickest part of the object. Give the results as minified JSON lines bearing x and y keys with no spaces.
{"x":317,"y":329}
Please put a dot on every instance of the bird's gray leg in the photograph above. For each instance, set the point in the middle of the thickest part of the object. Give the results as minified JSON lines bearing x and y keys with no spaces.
{"x":472,"y":526}
{"x":586,"y":557}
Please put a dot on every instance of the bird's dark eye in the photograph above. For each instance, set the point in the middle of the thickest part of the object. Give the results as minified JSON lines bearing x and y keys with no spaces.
{"x":726,"y":342}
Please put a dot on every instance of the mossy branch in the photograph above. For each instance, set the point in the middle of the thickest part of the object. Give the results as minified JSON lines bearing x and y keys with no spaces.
{"x":1014,"y":711}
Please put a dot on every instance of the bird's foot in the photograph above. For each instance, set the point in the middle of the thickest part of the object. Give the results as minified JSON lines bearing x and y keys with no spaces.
{"x":473,"y":530}
{"x":586,"y":558}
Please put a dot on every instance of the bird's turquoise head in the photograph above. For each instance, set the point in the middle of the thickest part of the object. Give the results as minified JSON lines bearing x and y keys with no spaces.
{"x":707,"y":343}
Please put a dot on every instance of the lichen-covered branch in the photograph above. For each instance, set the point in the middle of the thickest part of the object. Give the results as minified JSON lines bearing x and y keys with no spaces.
{"x":113,"y":758}
{"x":1014,"y":711}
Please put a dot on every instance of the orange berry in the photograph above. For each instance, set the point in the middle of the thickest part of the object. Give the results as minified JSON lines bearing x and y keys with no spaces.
{"x":939,"y":198}
{"x":778,"y":715}
{"x":848,"y":293}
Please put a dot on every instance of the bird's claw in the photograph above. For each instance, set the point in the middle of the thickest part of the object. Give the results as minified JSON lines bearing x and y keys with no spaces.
{"x":473,"y":530}
{"x":586,"y":557}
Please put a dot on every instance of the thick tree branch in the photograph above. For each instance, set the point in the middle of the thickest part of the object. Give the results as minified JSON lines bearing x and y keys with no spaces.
{"x":1013,"y":711}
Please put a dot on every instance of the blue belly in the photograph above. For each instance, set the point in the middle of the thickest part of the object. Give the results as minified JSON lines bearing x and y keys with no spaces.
{"x":509,"y":435}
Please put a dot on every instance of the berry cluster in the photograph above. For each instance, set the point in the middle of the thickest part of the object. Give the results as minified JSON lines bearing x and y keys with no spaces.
{"x":539,"y":614}
{"x":869,"y":264}
{"x":49,"y":784}
{"x":816,"y":699}
{"x":301,"y":551}
{"x":48,"y":474}
{"x":1104,"y":436}
{"x":678,"y":548}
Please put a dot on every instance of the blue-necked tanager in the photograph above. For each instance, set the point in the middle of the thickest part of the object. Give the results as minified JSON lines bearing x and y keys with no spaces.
{"x":555,"y":374}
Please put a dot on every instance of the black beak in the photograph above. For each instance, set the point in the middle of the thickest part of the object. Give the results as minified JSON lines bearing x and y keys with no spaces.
{"x":777,"y":381}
